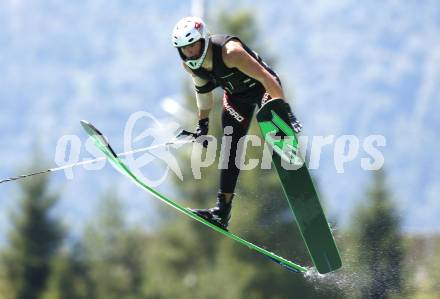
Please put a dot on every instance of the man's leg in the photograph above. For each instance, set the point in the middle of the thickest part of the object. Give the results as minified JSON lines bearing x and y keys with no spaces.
{"x":236,"y":119}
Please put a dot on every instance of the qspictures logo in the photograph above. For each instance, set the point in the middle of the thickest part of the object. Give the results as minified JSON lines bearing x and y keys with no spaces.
{"x":142,"y":128}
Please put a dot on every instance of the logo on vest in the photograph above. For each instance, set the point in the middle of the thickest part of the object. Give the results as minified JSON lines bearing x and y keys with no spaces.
{"x":232,"y":111}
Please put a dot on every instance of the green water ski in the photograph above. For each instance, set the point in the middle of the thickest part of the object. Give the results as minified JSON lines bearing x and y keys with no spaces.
{"x":298,"y":186}
{"x":101,"y":143}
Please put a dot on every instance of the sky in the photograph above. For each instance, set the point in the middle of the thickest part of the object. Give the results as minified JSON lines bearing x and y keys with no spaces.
{"x":349,"y":68}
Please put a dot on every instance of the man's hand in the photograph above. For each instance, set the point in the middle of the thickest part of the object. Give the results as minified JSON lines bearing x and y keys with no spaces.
{"x":202,"y":130}
{"x":297,"y":126}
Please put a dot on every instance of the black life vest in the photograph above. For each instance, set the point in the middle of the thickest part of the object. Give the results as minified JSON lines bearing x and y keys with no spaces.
{"x":232,"y":80}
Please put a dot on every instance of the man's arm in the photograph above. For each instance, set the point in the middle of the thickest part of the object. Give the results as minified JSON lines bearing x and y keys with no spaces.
{"x":234,"y":55}
{"x":204,"y":100}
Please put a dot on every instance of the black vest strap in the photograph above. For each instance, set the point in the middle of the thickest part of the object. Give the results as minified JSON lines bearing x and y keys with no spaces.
{"x":205,"y":88}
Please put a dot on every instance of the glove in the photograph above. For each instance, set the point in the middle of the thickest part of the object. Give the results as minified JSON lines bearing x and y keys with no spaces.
{"x":296,"y":125}
{"x":202,"y":130}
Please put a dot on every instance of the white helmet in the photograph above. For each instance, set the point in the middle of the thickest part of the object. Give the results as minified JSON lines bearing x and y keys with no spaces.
{"x":187,"y":31}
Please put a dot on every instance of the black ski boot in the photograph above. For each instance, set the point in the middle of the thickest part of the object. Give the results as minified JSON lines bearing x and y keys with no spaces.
{"x":218,"y":215}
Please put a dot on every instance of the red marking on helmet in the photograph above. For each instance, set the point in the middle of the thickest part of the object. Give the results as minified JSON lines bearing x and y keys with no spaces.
{"x":197,"y":25}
